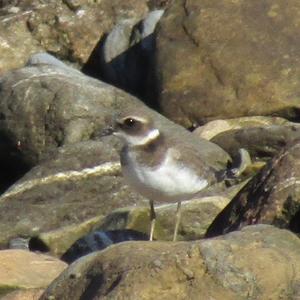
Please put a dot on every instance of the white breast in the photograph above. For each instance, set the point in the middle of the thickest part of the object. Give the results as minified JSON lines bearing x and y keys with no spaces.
{"x":170,"y":181}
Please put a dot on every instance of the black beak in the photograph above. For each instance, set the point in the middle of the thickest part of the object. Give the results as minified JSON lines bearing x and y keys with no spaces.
{"x":109,"y":130}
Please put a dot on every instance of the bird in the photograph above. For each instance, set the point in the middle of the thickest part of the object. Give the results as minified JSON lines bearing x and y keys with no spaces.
{"x":158,"y":165}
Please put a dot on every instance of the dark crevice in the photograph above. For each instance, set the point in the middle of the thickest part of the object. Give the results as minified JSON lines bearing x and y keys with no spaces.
{"x":190,"y":36}
{"x":114,"y":284}
{"x":71,"y":5}
{"x":36,"y":244}
{"x":184,"y":27}
{"x":240,"y":213}
{"x":13,"y":164}
{"x":295,"y":223}
{"x":132,"y":70}
{"x":93,"y":287}
{"x":99,"y":240}
{"x":216,"y":72}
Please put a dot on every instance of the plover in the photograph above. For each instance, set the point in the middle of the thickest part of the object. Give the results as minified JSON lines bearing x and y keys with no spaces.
{"x":158,"y":165}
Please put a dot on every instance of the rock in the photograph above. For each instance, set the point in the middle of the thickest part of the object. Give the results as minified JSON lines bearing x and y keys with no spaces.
{"x":38,"y":127}
{"x":155,"y":4}
{"x":213,"y":60}
{"x":64,"y":197}
{"x":272,"y":197}
{"x":214,"y":128}
{"x":16,"y":41}
{"x":112,"y":65}
{"x":124,"y":57}
{"x":133,"y":223}
{"x":32,"y":294}
{"x":58,"y":240}
{"x":54,"y":215}
{"x":235,"y":266}
{"x":261,"y":142}
{"x":22,"y":269}
{"x":68,"y":29}
{"x":46,"y":106}
{"x":34,"y":120}
{"x":44,"y":58}
{"x":263,"y":137}
{"x":19,"y":243}
{"x":197,"y":215}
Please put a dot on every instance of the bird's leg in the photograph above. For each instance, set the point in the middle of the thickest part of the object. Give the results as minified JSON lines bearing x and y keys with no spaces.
{"x":178,"y":217}
{"x":152,"y":219}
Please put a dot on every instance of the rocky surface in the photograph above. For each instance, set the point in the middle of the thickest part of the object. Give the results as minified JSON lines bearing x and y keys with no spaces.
{"x":32,"y":294}
{"x":217,"y":60}
{"x":22,"y":269}
{"x":66,"y":192}
{"x":133,"y":223}
{"x":85,"y":166}
{"x":34,"y":119}
{"x":69,"y":29}
{"x":217,"y":127}
{"x":54,"y":212}
{"x":263,"y":137}
{"x":261,"y":142}
{"x":197,"y":214}
{"x":61,"y":186}
{"x":272,"y":197}
{"x":39,"y":127}
{"x":222,"y":268}
{"x":107,"y":226}
{"x":34,"y":114}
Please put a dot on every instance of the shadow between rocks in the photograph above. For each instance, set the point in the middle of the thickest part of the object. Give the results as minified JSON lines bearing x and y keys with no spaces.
{"x":13,"y":165}
{"x":131,"y":71}
{"x":93,"y":287}
{"x":98,"y":240}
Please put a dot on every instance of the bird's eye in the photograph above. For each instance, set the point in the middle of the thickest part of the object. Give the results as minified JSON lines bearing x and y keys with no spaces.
{"x":129,"y":122}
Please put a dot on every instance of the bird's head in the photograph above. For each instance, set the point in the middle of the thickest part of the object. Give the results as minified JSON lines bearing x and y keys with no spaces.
{"x":134,"y":130}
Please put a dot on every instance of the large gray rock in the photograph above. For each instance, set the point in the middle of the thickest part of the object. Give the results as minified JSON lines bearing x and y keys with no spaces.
{"x":74,"y":186}
{"x":68,"y":193}
{"x":260,"y":262}
{"x":196,"y":215}
{"x":224,"y":59}
{"x":217,"y":127}
{"x":46,"y":106}
{"x":69,"y":29}
{"x":80,"y":188}
{"x":132,"y":223}
{"x":262,"y":142}
{"x":261,"y":136}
